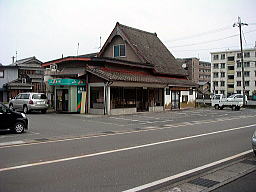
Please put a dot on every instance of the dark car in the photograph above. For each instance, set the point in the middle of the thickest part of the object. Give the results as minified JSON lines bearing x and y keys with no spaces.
{"x":15,"y":121}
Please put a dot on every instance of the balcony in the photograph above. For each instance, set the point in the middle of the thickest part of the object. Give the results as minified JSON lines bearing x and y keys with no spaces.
{"x":231,"y":72}
{"x":230,"y":81}
{"x":231,"y":90}
{"x":230,"y":62}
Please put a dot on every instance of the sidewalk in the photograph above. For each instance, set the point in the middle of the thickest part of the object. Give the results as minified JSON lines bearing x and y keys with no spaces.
{"x":220,"y":179}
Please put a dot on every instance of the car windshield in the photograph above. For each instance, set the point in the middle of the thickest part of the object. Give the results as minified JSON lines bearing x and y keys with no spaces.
{"x":39,"y":96}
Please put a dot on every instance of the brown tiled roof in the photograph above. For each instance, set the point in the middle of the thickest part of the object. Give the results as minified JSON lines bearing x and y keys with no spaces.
{"x":111,"y":74}
{"x":150,"y":48}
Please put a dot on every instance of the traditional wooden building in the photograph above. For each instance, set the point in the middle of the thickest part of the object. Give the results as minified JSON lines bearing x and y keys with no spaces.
{"x":133,"y":72}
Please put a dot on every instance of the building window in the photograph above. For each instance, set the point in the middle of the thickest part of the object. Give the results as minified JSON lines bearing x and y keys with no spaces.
{"x":190,"y":91}
{"x":215,"y":83}
{"x":238,"y":65}
{"x":255,"y":83}
{"x":1,"y":73}
{"x":246,"y":64}
{"x":222,"y":74}
{"x":222,"y":92}
{"x":238,"y":55}
{"x":247,"y":73}
{"x":215,"y":75}
{"x":23,"y":80}
{"x":247,"y":83}
{"x":215,"y":66}
{"x":231,"y":58}
{"x":167,"y":91}
{"x":222,"y":56}
{"x":216,"y":91}
{"x":238,"y":74}
{"x":119,"y":50}
{"x":222,"y":83}
{"x":238,"y":83}
{"x":238,"y":91}
{"x":222,"y":65}
{"x":215,"y":57}
{"x":247,"y":54}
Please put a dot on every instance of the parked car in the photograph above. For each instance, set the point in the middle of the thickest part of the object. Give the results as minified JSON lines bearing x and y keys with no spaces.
{"x":254,"y":142}
{"x":13,"y":120}
{"x":27,"y":102}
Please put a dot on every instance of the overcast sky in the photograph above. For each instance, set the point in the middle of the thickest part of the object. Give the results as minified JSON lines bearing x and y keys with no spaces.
{"x":189,"y":28}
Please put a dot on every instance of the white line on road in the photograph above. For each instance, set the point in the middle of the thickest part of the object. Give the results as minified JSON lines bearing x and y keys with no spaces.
{"x":158,"y":182}
{"x":11,"y":143}
{"x":168,"y":126}
{"x":119,"y":150}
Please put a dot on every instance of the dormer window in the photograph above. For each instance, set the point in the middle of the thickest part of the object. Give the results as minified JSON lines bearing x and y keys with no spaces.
{"x":119,"y":50}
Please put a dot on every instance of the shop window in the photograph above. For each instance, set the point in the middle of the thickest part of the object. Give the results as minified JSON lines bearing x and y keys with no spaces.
{"x":97,"y":97}
{"x":123,"y":97}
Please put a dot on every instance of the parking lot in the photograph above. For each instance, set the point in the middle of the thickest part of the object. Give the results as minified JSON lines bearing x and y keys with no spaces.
{"x":52,"y":125}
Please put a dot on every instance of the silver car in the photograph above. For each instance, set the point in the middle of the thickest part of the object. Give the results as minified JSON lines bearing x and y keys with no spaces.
{"x":254,"y":142}
{"x":27,"y":102}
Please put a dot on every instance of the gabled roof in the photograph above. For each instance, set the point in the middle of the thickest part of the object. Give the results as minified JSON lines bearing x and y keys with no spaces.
{"x":149,"y":49}
{"x":27,"y":62}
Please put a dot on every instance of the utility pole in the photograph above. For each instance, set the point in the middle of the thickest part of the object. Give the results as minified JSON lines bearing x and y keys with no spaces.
{"x":239,"y":24}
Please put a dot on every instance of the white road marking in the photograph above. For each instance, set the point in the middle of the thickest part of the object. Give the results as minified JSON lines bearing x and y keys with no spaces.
{"x":11,"y":143}
{"x":130,"y":132}
{"x":158,"y":182}
{"x":119,"y":150}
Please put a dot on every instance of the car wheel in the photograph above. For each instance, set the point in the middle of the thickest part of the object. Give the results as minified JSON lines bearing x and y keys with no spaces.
{"x":11,"y":107}
{"x":216,"y":106}
{"x":19,"y":127}
{"x":43,"y":111}
{"x":25,"y":109}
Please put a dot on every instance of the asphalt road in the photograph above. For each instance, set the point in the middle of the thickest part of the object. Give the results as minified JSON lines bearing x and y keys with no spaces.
{"x":118,"y":153}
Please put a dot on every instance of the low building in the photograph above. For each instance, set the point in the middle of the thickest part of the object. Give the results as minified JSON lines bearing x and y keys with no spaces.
{"x":226,"y":72}
{"x":133,"y":72}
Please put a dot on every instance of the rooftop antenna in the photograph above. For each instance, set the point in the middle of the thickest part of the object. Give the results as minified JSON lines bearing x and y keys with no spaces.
{"x":77,"y":49}
{"x":13,"y":59}
{"x":16,"y":55}
{"x":100,"y":43}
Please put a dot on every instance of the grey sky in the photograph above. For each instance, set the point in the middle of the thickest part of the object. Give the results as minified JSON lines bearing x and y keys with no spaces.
{"x":49,"y":28}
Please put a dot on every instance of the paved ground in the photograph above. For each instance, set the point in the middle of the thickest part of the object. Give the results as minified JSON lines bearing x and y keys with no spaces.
{"x":244,"y":184}
{"x":125,"y":152}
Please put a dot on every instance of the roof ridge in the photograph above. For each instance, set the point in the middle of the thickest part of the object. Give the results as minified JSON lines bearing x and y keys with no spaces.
{"x":121,"y":25}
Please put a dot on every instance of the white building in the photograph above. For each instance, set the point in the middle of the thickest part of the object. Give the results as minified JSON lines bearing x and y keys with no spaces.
{"x":226,"y":72}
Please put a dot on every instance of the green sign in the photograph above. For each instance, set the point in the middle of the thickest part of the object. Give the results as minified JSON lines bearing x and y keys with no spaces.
{"x":76,"y":82}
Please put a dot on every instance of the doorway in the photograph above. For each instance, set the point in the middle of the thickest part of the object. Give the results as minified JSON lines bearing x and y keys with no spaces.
{"x":175,"y":99}
{"x":62,"y":99}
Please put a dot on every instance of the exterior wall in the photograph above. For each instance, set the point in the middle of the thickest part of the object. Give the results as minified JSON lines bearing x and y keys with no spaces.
{"x":204,"y":71}
{"x":167,"y":100}
{"x":192,"y":67}
{"x":251,"y":69}
{"x":10,"y":74}
{"x":122,"y":111}
{"x":130,"y":55}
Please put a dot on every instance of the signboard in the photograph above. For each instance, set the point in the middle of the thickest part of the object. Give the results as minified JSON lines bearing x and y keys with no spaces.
{"x":69,"y":82}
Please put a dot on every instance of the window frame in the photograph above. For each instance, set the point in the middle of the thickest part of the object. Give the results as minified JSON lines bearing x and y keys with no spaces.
{"x":119,"y":50}
{"x":2,"y":70}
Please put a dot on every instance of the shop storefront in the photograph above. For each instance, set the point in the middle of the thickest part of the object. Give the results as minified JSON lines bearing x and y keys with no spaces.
{"x":69,"y":94}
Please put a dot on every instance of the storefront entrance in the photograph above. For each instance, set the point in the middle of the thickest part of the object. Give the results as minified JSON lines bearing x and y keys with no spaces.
{"x":62,"y":100}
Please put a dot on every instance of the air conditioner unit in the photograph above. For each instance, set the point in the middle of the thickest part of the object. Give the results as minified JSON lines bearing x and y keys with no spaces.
{"x":23,"y":80}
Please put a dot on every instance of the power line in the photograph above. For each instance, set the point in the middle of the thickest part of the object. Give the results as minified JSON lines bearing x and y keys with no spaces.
{"x":200,"y":34}
{"x":204,"y":42}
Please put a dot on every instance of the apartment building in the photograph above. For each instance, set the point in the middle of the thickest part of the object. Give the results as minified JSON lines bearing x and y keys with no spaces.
{"x":226,"y":72}
{"x":198,"y":71}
